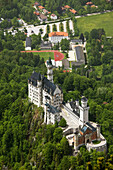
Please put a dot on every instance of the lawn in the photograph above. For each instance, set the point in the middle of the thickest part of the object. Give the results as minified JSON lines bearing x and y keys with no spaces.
{"x":96,"y":142}
{"x":45,"y":55}
{"x":97,"y":21}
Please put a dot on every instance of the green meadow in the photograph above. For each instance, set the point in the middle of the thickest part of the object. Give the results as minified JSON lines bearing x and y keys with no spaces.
{"x":97,"y":21}
{"x":45,"y":55}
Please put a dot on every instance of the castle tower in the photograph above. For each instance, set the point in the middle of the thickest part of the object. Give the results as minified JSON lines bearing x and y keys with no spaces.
{"x":49,"y":70}
{"x":98,"y":132}
{"x":76,"y":140}
{"x":39,"y":85}
{"x":83,"y":111}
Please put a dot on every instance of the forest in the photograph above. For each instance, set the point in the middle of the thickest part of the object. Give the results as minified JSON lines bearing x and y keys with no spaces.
{"x":10,"y":10}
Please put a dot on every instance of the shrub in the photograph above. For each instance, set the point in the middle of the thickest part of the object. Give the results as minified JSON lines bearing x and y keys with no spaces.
{"x":62,"y":123}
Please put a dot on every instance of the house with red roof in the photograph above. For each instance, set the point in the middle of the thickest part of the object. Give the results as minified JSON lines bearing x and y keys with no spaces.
{"x":73,"y":11}
{"x":36,"y":13}
{"x":45,"y":11}
{"x":53,"y":16}
{"x":41,"y":7}
{"x":56,"y":37}
{"x":36,"y":4}
{"x":89,"y":3}
{"x":67,"y":7}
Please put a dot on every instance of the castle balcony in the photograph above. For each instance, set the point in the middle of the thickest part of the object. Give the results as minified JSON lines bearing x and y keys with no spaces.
{"x":100,"y":146}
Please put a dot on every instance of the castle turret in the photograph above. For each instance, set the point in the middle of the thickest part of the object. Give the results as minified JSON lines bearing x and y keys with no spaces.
{"x":49,"y":70}
{"x":39,"y":85}
{"x":83,"y":111}
{"x":76,"y":140}
{"x":98,"y":132}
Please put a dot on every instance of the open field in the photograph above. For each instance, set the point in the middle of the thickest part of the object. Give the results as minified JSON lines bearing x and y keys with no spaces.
{"x":97,"y":21}
{"x":54,"y":54}
{"x":45,"y":55}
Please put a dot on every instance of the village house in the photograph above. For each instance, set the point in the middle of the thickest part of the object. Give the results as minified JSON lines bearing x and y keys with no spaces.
{"x":67,"y":7}
{"x":41,"y":7}
{"x":37,"y":13}
{"x":45,"y":45}
{"x":53,"y":16}
{"x":56,"y":37}
{"x":89,"y":3}
{"x":42,"y":17}
{"x":73,"y":11}
{"x":93,"y":6}
{"x":36,"y":4}
{"x":45,"y":11}
{"x":28,"y":43}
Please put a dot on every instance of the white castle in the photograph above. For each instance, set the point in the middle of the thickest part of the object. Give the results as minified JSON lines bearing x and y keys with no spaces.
{"x":43,"y":92}
{"x":80,"y":131}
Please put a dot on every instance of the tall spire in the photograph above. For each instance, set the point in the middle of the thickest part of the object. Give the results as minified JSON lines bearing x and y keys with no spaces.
{"x":49,"y":70}
{"x":50,"y":62}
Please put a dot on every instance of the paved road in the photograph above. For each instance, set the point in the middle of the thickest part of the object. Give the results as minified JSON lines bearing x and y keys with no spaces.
{"x":71,"y":123}
{"x":36,"y":29}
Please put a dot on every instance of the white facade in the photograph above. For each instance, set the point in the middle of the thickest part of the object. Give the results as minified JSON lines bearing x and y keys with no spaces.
{"x":56,"y":39}
{"x":56,"y":63}
{"x":51,"y":114}
{"x":53,"y":16}
{"x":43,"y":92}
{"x":28,"y":48}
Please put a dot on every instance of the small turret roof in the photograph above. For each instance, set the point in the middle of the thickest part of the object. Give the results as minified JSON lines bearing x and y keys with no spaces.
{"x":36,"y":76}
{"x":49,"y":62}
{"x":84,"y":99}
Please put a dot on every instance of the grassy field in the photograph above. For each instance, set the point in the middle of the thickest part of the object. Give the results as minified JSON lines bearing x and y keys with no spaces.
{"x":45,"y":55}
{"x":97,"y":21}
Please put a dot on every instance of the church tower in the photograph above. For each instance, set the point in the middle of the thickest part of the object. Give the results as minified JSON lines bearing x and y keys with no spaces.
{"x":83,"y":111}
{"x":49,"y":70}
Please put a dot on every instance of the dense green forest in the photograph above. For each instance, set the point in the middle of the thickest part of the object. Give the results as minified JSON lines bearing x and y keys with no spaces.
{"x":10,"y":10}
{"x":13,"y":9}
{"x":78,"y":5}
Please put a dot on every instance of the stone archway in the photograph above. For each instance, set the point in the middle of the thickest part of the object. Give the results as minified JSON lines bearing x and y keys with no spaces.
{"x":88,"y":141}
{"x":87,"y":138}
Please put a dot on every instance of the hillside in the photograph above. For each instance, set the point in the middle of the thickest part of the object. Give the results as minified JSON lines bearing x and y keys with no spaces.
{"x":104,"y":21}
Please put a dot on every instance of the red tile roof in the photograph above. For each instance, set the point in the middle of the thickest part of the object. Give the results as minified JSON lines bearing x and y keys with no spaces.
{"x":62,"y":8}
{"x":53,"y":15}
{"x":67,"y":6}
{"x":92,"y":6}
{"x":66,"y":71}
{"x":105,"y":103}
{"x":73,"y":11}
{"x":40,"y":7}
{"x":36,"y":13}
{"x":58,"y":34}
{"x":36,"y":3}
{"x":89,"y":3}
